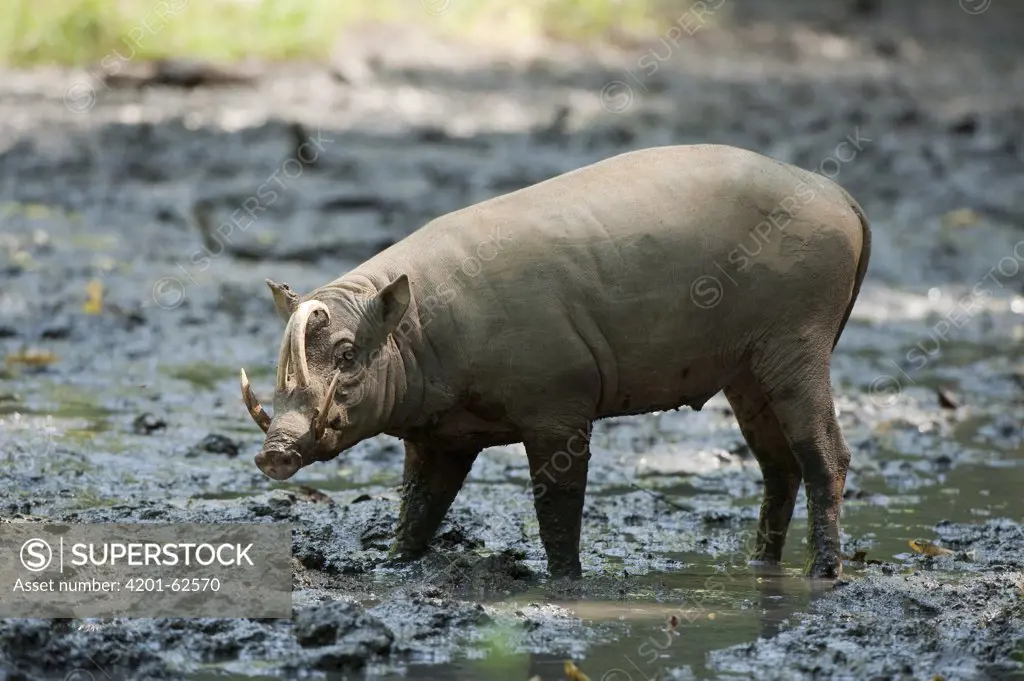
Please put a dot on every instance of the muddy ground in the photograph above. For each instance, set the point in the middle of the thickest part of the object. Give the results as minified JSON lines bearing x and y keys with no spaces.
{"x":139,"y":419}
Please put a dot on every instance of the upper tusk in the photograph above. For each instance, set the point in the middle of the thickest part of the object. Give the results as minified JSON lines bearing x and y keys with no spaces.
{"x":320,"y":420}
{"x":297,"y":330}
{"x":253,"y":405}
{"x":282,"y":360}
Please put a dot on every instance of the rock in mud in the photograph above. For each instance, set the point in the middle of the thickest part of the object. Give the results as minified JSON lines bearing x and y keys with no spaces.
{"x":429,"y":616}
{"x":341,"y":635}
{"x":215,"y":444}
{"x":466,"y":574}
{"x":35,"y":649}
{"x":147,"y":424}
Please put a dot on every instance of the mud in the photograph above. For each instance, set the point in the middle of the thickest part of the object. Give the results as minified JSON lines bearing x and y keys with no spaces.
{"x":138,"y":418}
{"x":957,"y":616}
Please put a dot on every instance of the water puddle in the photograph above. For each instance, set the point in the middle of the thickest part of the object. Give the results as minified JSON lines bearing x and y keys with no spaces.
{"x":674,"y":619}
{"x":916,"y":478}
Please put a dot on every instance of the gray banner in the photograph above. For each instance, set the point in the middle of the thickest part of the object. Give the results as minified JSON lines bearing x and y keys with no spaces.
{"x":145,"y":570}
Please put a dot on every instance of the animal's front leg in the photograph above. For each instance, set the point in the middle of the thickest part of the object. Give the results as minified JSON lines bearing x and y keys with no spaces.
{"x":433,"y":476}
{"x":558,"y":470}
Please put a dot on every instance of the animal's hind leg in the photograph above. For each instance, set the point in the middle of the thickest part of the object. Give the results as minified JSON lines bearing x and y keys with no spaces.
{"x":559,"y":458}
{"x":779,"y":468}
{"x":795,"y":379}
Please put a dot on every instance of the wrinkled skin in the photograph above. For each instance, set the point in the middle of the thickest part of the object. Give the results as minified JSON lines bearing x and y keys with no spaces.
{"x":646,"y":282}
{"x":343,"y":341}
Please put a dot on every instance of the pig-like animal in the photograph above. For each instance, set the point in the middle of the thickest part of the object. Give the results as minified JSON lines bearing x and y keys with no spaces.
{"x":645,"y":282}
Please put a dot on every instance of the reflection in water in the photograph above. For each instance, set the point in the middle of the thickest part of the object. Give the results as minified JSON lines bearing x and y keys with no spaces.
{"x":776,"y":605}
{"x":706,"y":607}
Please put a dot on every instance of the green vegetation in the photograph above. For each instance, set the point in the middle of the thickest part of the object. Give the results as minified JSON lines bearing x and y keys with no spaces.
{"x":203,"y":375}
{"x":87,"y":31}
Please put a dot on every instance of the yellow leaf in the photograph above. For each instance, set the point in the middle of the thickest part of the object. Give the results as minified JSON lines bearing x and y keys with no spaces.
{"x":94,"y":300}
{"x":963,"y":217}
{"x":574,"y":673}
{"x":34,"y":358}
{"x":927,"y":548}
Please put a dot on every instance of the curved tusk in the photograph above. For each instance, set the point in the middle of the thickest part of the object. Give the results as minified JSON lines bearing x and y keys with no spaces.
{"x":282,"y":361}
{"x":320,"y":420}
{"x":298,"y":323}
{"x":253,"y":405}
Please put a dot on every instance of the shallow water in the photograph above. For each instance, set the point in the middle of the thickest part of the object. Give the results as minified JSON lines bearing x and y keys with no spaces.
{"x":708,"y":604}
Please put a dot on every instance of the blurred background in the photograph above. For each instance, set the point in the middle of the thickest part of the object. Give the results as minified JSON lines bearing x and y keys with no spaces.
{"x":160,"y":158}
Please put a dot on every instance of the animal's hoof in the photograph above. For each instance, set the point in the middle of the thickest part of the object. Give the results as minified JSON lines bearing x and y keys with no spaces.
{"x":569,"y":570}
{"x":402,"y":554}
{"x":765,"y":567}
{"x":828,"y":568}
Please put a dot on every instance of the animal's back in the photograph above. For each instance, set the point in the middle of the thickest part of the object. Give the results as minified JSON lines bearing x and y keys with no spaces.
{"x":640,"y":278}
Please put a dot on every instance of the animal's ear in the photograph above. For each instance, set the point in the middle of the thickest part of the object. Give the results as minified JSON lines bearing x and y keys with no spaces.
{"x":285,"y":299}
{"x":392,"y":303}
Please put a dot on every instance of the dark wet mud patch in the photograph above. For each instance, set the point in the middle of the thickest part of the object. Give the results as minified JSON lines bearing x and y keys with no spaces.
{"x":919,"y":625}
{"x":955,"y":616}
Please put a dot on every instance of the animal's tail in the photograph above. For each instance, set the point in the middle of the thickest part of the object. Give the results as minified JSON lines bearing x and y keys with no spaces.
{"x":862,"y":262}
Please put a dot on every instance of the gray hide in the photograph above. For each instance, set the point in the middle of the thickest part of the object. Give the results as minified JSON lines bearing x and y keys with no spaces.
{"x":645,"y":282}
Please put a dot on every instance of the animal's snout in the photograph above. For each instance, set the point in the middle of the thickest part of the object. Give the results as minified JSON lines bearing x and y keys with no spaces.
{"x":278,"y":464}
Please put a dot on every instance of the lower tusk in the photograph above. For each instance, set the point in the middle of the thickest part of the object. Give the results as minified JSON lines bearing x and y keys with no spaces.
{"x":322,"y":414}
{"x":253,"y":405}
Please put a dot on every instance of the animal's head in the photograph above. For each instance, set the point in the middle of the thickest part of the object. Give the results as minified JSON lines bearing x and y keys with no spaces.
{"x":332,"y":387}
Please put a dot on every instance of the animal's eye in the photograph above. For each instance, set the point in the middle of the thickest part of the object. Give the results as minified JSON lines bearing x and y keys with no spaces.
{"x":346,"y":355}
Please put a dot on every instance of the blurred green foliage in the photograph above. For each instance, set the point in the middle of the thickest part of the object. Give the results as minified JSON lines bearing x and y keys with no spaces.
{"x":84,"y":31}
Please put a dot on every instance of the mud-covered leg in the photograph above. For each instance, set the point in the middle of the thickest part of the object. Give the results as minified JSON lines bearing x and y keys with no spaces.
{"x":558,"y":470}
{"x":800,"y":394}
{"x":779,"y":468}
{"x":433,"y":476}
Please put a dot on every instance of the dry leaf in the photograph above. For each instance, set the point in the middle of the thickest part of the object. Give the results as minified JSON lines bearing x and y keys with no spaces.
{"x":963,"y":217}
{"x":94,"y":300}
{"x":574,"y":673}
{"x":947,"y":400}
{"x":927,"y":548}
{"x":32,"y":358}
{"x":314,"y":495}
